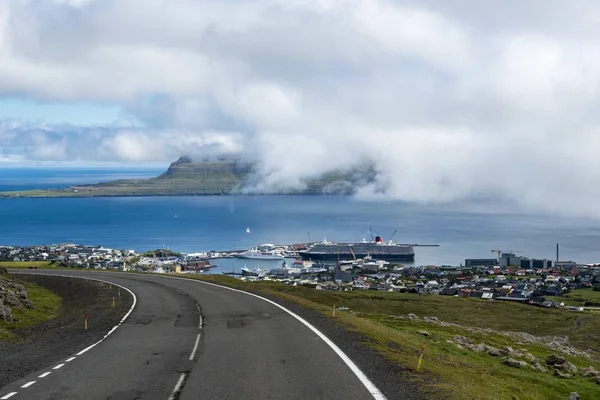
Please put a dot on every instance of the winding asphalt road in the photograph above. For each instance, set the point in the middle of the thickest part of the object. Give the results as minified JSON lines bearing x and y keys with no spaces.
{"x":186,"y":339}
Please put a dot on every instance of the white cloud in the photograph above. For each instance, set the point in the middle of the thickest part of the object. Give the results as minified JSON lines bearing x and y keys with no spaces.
{"x":450,"y":100}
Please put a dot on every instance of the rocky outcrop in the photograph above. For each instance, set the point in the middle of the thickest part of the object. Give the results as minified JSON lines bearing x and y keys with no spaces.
{"x":514,"y":363}
{"x":562,"y":367}
{"x":554,"y":343}
{"x":12,"y":295}
{"x":562,"y":375}
{"x":521,"y":358}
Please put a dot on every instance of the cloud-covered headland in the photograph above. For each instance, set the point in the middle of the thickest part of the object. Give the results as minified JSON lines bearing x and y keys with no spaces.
{"x":450,"y":100}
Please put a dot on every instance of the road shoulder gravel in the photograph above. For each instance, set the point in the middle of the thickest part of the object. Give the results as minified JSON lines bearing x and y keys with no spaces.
{"x":43,"y":344}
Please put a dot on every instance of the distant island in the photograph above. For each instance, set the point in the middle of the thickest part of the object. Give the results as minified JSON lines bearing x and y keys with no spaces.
{"x":186,"y":177}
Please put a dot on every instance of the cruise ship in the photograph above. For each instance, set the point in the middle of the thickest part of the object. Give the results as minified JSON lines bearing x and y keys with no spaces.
{"x":378,"y":249}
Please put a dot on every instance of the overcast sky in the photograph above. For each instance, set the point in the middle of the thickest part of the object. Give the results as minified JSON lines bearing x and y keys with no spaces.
{"x":450,"y":99}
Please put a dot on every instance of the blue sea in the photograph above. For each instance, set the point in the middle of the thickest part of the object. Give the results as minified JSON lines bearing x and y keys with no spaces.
{"x":204,"y":223}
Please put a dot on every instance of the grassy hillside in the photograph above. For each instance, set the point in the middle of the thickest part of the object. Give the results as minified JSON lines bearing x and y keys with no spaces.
{"x":449,"y":372}
{"x":46,"y":306}
{"x":187,"y":178}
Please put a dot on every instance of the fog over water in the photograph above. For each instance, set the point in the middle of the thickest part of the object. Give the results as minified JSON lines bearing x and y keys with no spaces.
{"x":207,"y":223}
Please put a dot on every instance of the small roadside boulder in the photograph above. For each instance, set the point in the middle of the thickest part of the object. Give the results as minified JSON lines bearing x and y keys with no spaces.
{"x":412,"y":316}
{"x":537,"y":365}
{"x":478,"y":348}
{"x":511,"y":362}
{"x":492,"y":351}
{"x":562,"y":375}
{"x":463,"y":341}
{"x":574,"y":396}
{"x":566,"y":366}
{"x":553,"y":359}
{"x":424,"y":333}
{"x":17,"y":287}
{"x":590,"y":371}
{"x":12,"y":301}
{"x":5,"y":313}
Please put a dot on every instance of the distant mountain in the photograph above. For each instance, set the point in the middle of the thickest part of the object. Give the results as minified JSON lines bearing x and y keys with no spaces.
{"x":185,"y":177}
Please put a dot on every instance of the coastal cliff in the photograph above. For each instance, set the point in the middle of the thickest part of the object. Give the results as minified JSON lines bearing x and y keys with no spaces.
{"x":186,"y":177}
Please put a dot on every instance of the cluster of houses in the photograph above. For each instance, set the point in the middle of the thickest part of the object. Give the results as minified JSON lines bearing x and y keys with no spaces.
{"x":509,"y":284}
{"x":72,"y":255}
{"x":85,"y":256}
{"x":492,"y":279}
{"x":508,"y":278}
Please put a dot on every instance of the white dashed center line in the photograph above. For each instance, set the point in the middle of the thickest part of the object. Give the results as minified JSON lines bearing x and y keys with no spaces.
{"x":45,"y":374}
{"x":195,"y":347}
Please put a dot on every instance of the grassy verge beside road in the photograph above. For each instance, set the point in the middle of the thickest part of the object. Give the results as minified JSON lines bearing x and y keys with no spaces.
{"x":56,"y":330}
{"x":29,"y":264}
{"x":450,"y":372}
{"x":46,"y":306}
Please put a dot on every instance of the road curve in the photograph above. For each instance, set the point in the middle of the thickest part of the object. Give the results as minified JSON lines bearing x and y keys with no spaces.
{"x":190,"y":340}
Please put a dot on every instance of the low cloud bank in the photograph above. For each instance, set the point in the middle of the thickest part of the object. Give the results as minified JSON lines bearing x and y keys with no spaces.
{"x":446,"y":100}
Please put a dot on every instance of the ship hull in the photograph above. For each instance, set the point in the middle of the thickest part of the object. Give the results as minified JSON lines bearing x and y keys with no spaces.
{"x":346,"y":256}
{"x":254,"y":257}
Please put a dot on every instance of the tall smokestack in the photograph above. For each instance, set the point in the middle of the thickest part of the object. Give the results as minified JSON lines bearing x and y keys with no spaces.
{"x":557,"y":259}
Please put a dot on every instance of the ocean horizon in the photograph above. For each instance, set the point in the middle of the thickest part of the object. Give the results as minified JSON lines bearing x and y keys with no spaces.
{"x":205,"y":223}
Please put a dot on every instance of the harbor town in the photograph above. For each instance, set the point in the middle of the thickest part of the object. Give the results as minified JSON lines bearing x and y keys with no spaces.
{"x":507,"y":277}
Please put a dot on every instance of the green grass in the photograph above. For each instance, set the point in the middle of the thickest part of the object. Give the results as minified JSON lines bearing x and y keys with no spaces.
{"x":46,"y":305}
{"x":37,"y":193}
{"x":28,"y":264}
{"x":577,"y":297}
{"x":449,"y":372}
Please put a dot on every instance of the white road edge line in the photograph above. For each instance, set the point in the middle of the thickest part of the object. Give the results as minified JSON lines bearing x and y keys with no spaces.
{"x":200,"y":322}
{"x":195,"y":347}
{"x":114,"y":327}
{"x":370,"y":386}
{"x":69,"y":359}
{"x":9,"y":395}
{"x":177,"y":387}
{"x":45,"y":374}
